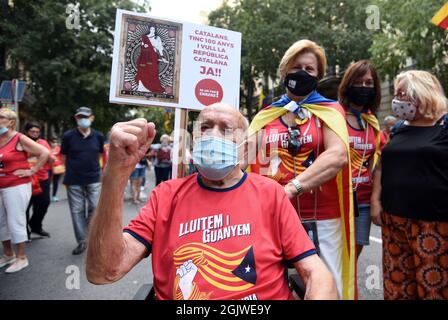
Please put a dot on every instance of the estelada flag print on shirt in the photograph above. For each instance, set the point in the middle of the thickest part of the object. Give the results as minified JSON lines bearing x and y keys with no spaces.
{"x":363,"y":179}
{"x":229,"y":271}
{"x":278,"y":164}
{"x":281,"y":164}
{"x":221,"y":243}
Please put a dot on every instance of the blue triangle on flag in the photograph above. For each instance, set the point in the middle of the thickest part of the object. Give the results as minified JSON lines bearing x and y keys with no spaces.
{"x":246,"y":270}
{"x":309,"y":161}
{"x":366,"y":163}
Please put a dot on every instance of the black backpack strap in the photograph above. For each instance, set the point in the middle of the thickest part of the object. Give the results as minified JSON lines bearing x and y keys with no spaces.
{"x":396,"y":126}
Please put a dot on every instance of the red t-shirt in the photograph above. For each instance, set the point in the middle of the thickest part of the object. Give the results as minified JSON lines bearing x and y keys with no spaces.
{"x":57,"y":156}
{"x":362,"y":168}
{"x":384,"y":137}
{"x":357,"y":141}
{"x":221,"y":243}
{"x":42,"y":174}
{"x":275,"y":162}
{"x":11,"y":160}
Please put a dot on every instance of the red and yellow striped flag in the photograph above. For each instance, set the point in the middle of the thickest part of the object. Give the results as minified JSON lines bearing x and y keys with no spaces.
{"x":215,"y":266}
{"x":441,"y":17}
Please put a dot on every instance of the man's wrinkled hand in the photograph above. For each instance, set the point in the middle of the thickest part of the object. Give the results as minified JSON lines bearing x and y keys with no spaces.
{"x":129,"y":142}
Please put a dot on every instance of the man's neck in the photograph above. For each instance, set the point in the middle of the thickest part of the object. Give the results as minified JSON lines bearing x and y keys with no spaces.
{"x":84,"y":131}
{"x":232,"y":179}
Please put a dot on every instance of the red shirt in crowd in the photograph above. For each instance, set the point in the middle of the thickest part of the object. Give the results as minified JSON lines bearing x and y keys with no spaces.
{"x":11,"y":160}
{"x":42,"y":174}
{"x":57,"y":156}
{"x":276,"y":163}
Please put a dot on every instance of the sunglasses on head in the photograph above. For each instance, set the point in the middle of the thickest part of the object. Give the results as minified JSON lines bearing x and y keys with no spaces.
{"x":294,"y":144}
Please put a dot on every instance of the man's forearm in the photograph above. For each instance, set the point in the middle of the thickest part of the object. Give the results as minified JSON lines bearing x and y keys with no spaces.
{"x":318,"y":280}
{"x":326,"y":167}
{"x":320,"y":287}
{"x":41,"y":161}
{"x":106,"y":244}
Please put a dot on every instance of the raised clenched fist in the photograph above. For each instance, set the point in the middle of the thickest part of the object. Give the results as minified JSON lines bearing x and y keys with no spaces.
{"x":129,"y":142}
{"x":187,"y":271}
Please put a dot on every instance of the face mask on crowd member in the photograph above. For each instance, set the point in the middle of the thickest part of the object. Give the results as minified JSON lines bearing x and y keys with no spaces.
{"x":215,"y":157}
{"x":84,"y":117}
{"x":32,"y":132}
{"x":4,"y":124}
{"x":361,"y":96}
{"x":216,"y":149}
{"x":403,"y":106}
{"x":3,"y":130}
{"x":404,"y":110}
{"x":84,"y":123}
{"x":300,"y":83}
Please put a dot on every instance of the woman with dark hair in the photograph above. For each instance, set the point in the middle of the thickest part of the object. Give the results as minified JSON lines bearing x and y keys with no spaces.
{"x":40,"y":202}
{"x":58,"y":167}
{"x":360,"y":95}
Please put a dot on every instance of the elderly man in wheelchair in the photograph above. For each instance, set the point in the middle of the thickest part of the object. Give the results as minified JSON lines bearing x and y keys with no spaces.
{"x":217,"y":234}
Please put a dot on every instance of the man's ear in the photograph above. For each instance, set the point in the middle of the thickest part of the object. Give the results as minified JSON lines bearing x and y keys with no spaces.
{"x":92,"y":118}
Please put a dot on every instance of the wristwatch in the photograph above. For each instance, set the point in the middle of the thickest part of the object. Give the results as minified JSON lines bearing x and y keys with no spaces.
{"x":296,"y":184}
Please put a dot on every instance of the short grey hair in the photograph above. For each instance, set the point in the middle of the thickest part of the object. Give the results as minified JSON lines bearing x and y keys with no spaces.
{"x":389,"y":118}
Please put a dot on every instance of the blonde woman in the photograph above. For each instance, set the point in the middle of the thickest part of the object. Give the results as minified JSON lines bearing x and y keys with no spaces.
{"x":15,"y":188}
{"x":302,"y":143}
{"x":410,"y":193}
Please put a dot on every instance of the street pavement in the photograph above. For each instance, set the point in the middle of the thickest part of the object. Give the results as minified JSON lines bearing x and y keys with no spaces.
{"x":54,"y":273}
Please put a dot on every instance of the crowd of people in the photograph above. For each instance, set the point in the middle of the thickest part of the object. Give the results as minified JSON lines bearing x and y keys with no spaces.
{"x":30,"y":174}
{"x":298,"y":186}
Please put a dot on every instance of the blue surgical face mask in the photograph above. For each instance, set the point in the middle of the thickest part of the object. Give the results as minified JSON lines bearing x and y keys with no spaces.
{"x":84,"y":123}
{"x":215,"y":157}
{"x":3,"y":130}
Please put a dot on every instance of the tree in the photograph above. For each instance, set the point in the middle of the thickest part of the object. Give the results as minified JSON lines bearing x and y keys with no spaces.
{"x":407,"y":33}
{"x":269,"y":27}
{"x":67,"y":68}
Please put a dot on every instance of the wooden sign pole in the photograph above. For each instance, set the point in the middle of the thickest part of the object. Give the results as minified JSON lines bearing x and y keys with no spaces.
{"x":179,"y":143}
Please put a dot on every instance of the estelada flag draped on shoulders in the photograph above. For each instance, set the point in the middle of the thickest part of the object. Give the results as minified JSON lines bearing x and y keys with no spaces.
{"x":372,"y":120}
{"x":441,"y":17}
{"x":332,"y":114}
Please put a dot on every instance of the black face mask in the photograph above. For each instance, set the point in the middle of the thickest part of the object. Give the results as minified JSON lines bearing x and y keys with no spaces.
{"x":361,"y":96}
{"x":300,"y":83}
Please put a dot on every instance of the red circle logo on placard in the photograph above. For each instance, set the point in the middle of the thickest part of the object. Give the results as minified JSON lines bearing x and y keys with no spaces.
{"x":208,"y":91}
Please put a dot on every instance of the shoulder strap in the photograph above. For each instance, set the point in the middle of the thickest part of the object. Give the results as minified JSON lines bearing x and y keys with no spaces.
{"x":396,"y":126}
